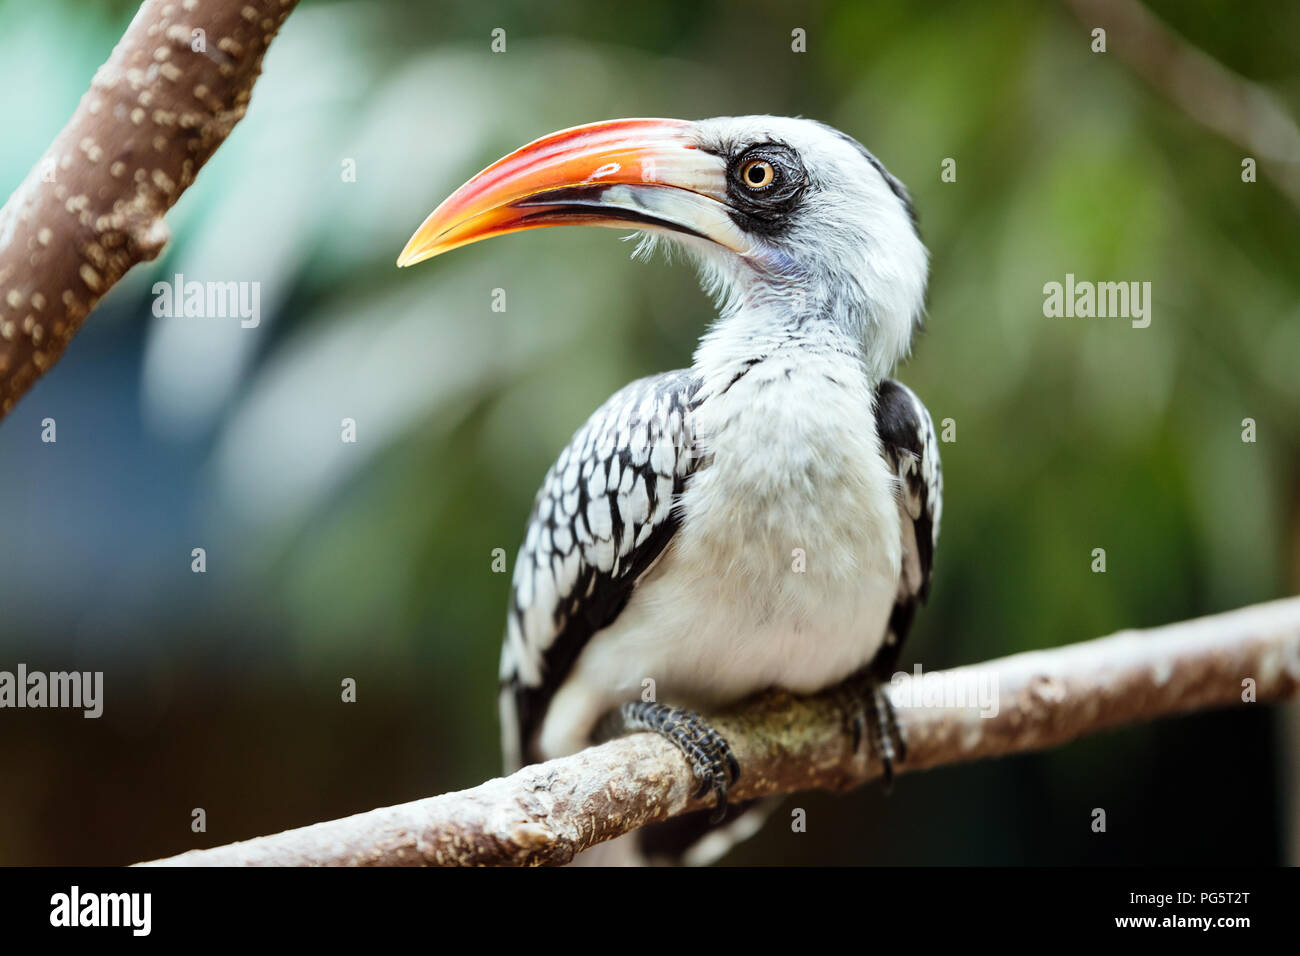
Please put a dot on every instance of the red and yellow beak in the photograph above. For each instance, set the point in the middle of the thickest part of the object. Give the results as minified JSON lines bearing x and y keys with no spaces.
{"x":632,"y":173}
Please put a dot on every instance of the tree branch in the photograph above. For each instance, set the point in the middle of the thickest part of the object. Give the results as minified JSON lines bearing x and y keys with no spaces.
{"x":171,"y":92}
{"x":547,"y":813}
{"x":1245,"y":113}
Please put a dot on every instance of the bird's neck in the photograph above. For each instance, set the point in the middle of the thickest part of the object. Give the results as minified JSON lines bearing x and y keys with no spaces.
{"x":860,"y":317}
{"x":749,"y":335}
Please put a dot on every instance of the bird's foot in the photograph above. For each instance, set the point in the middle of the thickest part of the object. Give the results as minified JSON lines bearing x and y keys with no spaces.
{"x":709,"y":755}
{"x":869,"y":712}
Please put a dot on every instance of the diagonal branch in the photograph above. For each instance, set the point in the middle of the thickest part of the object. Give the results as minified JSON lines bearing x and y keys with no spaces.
{"x":1245,"y":113}
{"x":547,"y":813}
{"x":92,"y":207}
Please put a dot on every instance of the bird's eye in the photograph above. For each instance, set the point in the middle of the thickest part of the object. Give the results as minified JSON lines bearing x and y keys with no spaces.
{"x":757,"y":174}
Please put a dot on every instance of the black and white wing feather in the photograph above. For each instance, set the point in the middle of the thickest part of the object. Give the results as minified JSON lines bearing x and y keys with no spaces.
{"x":604,"y":514}
{"x":908,"y":444}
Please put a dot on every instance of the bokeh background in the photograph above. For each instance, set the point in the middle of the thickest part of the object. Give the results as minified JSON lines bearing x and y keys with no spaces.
{"x":372,"y":560}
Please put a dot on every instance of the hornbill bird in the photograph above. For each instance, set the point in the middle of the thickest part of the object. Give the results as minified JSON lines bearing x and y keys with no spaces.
{"x":768,"y":516}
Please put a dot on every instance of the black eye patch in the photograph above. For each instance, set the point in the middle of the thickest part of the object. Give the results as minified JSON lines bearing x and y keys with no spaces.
{"x":765,"y":210}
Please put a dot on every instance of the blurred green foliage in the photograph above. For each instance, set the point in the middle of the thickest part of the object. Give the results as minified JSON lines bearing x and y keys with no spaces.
{"x":373,"y":560}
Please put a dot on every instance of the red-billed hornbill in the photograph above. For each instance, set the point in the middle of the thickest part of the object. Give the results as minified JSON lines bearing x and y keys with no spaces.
{"x":764,"y":518}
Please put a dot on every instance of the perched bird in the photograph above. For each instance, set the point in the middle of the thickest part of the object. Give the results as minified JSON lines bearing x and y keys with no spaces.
{"x":766,"y":517}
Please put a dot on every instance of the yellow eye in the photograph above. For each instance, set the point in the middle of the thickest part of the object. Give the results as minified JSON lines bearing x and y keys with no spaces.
{"x":757,"y":174}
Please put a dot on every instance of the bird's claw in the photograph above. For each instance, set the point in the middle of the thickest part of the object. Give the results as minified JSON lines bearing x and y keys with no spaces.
{"x":869,"y":712}
{"x":710,"y":757}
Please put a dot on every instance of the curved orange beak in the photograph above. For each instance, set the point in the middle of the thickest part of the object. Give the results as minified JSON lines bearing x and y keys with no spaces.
{"x":642,"y":173}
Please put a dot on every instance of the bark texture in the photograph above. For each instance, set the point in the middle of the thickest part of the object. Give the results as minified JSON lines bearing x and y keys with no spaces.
{"x":92,"y":207}
{"x":548,"y":813}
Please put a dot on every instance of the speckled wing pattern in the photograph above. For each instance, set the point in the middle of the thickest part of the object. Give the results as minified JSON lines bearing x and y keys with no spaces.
{"x":908,"y":443}
{"x":604,"y":514}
